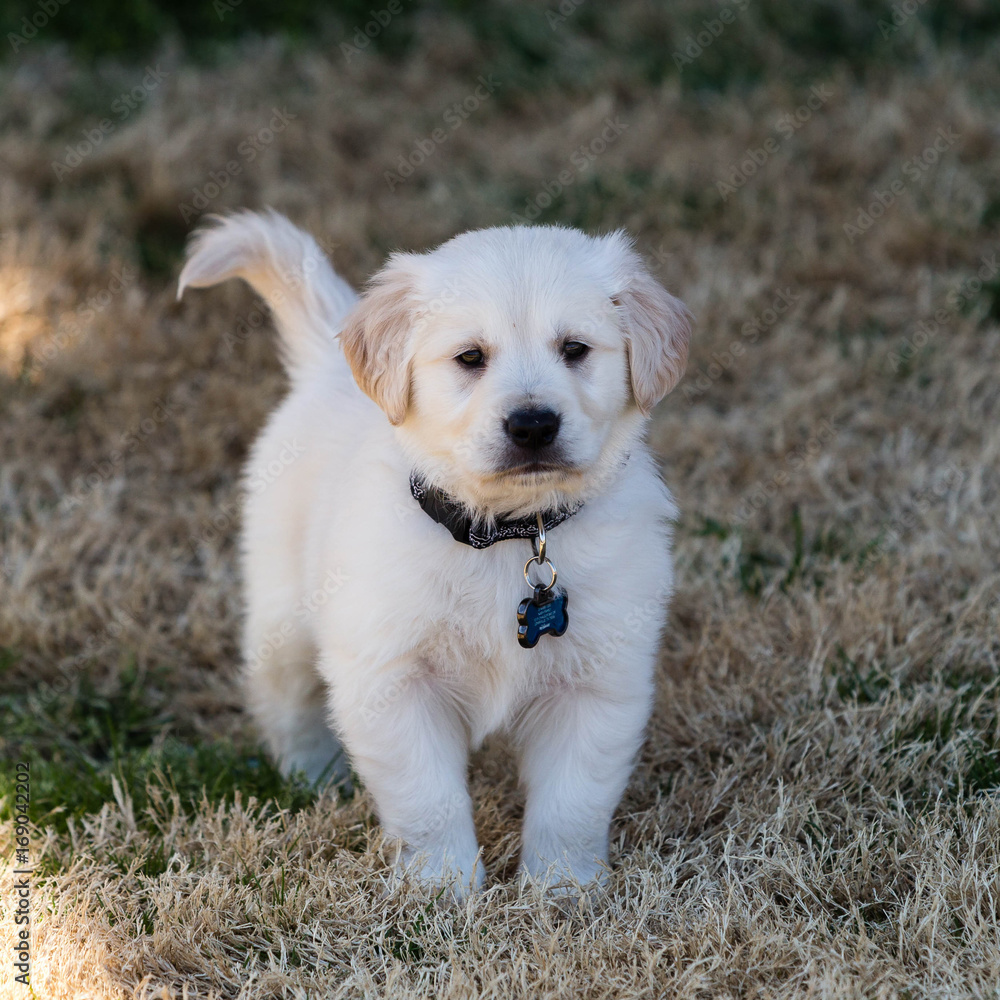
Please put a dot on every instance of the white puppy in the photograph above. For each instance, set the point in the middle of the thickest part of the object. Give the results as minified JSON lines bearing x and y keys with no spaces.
{"x":503,"y":376}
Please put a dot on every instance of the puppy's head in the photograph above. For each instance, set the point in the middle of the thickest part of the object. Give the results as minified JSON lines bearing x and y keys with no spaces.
{"x":518,"y":363}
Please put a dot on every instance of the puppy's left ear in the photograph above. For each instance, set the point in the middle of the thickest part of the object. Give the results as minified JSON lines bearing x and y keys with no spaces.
{"x":376,"y":337}
{"x":657,"y":328}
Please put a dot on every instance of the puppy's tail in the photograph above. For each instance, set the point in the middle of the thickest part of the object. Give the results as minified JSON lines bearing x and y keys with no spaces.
{"x":286,"y":268}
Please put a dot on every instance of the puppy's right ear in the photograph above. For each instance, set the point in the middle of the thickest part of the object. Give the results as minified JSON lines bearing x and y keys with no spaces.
{"x":376,"y":337}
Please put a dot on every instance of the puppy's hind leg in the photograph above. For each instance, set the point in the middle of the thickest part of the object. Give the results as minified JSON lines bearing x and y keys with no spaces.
{"x":288,"y":701}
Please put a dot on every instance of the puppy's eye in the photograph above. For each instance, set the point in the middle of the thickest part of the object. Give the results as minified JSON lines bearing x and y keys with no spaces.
{"x":573,"y":350}
{"x":472,"y":358}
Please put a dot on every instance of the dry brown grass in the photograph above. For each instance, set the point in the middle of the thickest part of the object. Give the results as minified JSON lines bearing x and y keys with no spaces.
{"x":815,"y":812}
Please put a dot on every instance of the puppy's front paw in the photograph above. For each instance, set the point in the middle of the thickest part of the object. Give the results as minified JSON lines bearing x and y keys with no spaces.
{"x":439,"y":873}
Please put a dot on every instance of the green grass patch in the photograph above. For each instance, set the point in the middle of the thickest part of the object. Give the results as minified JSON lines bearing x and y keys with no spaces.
{"x":754,"y":564}
{"x":77,"y":742}
{"x":797,"y":553}
{"x":160,"y":240}
{"x":953,"y":712}
{"x":134,"y":30}
{"x":861,"y":685}
{"x":958,"y":727}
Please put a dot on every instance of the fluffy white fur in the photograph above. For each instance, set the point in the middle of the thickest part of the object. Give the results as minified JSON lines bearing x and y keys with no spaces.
{"x":367,"y":624}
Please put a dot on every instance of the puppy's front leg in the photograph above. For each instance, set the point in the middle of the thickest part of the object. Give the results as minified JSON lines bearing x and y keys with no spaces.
{"x":409,"y":744}
{"x":578,"y":747}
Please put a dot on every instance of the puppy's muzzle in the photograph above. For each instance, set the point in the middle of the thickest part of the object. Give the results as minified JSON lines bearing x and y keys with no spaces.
{"x":532,"y":429}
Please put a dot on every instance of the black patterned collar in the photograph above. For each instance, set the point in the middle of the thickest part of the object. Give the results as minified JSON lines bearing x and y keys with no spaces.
{"x":465,"y":528}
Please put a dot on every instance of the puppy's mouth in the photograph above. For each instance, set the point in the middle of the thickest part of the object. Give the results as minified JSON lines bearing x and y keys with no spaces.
{"x":536,"y":469}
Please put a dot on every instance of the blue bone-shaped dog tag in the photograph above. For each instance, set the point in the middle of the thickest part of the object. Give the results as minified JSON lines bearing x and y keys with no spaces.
{"x":544,"y":613}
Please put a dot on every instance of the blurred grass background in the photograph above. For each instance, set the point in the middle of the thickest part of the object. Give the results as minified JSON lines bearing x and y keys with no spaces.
{"x":808,"y":37}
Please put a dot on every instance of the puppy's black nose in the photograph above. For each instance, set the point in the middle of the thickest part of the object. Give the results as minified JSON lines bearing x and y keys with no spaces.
{"x":532,"y":428}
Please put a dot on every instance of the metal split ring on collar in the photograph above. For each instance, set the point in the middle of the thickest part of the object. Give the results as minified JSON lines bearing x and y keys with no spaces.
{"x":538,"y":544}
{"x":538,"y":547}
